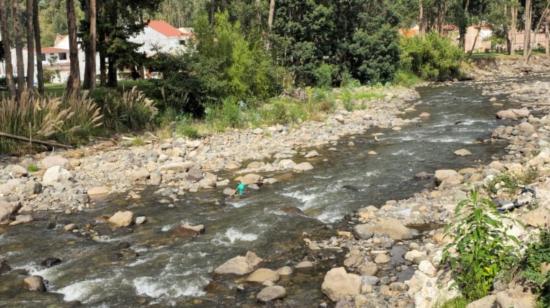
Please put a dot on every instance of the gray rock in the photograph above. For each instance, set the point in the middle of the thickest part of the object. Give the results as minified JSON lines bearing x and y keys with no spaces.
{"x":54,"y":160}
{"x":56,"y":174}
{"x":7,"y":209}
{"x":34,"y":283}
{"x":271,"y":293}
{"x":303,"y":167}
{"x":363,"y":232}
{"x":140,"y":220}
{"x":393,"y":228}
{"x":339,"y":285}
{"x":122,"y":219}
{"x":370,"y":280}
{"x":240,"y":265}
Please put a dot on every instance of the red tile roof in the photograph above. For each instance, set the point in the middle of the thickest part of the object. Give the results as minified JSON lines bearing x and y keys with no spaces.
{"x":53,"y":50}
{"x":165,"y":28}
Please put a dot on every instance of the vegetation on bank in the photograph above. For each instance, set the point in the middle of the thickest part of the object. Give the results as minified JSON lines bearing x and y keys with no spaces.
{"x":482,"y":252}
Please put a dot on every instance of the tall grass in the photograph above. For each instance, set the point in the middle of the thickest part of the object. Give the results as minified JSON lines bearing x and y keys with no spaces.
{"x":35,"y":117}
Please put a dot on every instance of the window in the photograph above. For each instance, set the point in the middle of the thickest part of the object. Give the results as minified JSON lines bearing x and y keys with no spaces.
{"x":62,"y":56}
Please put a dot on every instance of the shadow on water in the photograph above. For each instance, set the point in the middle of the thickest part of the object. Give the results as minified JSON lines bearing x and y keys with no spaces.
{"x":149,"y":264}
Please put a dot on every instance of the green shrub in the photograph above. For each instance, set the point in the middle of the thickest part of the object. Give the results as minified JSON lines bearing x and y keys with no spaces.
{"x":32,"y":168}
{"x":227,"y":115}
{"x":431,"y":57}
{"x":537,"y":255}
{"x":406,"y":78}
{"x":228,"y":64}
{"x":130,"y":111}
{"x":481,"y":249}
{"x":185,"y":127}
{"x":505,"y":182}
{"x":323,"y":75}
{"x":457,"y":302}
{"x":347,"y":100}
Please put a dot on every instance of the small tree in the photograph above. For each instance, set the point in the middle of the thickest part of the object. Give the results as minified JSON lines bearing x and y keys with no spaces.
{"x":481,"y":249}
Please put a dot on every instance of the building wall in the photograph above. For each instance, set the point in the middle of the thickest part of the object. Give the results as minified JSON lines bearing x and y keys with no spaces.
{"x":153,"y":42}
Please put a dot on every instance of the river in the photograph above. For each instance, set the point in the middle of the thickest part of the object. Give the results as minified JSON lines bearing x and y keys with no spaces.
{"x":148,"y":264}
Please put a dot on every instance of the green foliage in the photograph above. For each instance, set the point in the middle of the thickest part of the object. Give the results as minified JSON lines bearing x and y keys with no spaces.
{"x":228,"y":115}
{"x":230,"y":65}
{"x":323,"y":75}
{"x":357,"y":36}
{"x":536,"y":256}
{"x":131,"y":110}
{"x":184,"y":127}
{"x":431,"y":57}
{"x":510,"y":183}
{"x":32,"y":168}
{"x":406,"y":78}
{"x":457,"y":302}
{"x":481,"y":249}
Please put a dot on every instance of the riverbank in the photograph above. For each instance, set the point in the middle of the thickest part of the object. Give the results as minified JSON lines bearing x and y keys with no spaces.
{"x":70,"y":181}
{"x":388,"y":240}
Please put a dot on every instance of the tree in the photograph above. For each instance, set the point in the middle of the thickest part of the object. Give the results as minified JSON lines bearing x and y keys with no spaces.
{"x":528,"y":23}
{"x":117,"y":21}
{"x":270,"y":22}
{"x":73,"y":83}
{"x":18,"y":33}
{"x":5,"y":7}
{"x":90,"y":68}
{"x":30,"y":44}
{"x":38,"y":48}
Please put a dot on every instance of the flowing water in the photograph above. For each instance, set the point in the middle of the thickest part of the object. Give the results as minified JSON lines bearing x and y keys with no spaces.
{"x":148,"y":264}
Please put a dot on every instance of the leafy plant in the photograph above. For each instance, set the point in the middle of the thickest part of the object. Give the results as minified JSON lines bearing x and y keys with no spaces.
{"x":536,"y":257}
{"x":431,"y":57}
{"x":457,"y":302}
{"x":481,"y":249}
{"x":184,"y":127}
{"x":505,"y":181}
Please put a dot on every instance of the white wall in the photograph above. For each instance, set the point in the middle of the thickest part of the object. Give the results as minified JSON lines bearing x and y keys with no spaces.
{"x":154,"y":42}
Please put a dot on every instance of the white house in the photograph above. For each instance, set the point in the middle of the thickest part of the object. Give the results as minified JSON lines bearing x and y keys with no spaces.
{"x":157,"y":36}
{"x":160,"y":36}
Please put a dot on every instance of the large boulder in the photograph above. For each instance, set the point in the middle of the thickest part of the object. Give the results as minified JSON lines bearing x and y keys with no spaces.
{"x":179,"y":166}
{"x":303,"y":167}
{"x":393,"y":228}
{"x":462,"y":152}
{"x":54,"y":160}
{"x":339,"y":285}
{"x":250,"y":179}
{"x":240,"y":265}
{"x":271,"y":293}
{"x":449,"y":177}
{"x":513,"y":114}
{"x":526,"y":129}
{"x":122,"y":219}
{"x":362,"y":231}
{"x":263,"y":275}
{"x":54,"y":175}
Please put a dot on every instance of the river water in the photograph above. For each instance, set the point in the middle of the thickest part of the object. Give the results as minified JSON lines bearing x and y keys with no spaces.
{"x":148,"y":264}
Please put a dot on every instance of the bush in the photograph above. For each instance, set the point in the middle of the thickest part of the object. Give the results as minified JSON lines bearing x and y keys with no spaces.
{"x":184,"y":127}
{"x":537,"y":255}
{"x":431,"y":57}
{"x":229,"y":114}
{"x":130,"y":111}
{"x":323,"y":75}
{"x":481,"y":249}
{"x":230,"y":65}
{"x":47,"y":118}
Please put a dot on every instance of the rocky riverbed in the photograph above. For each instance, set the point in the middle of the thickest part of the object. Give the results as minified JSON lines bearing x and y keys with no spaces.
{"x":69,"y":181}
{"x":394,"y":251}
{"x":391,"y":250}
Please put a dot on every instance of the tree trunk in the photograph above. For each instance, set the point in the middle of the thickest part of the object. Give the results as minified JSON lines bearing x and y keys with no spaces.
{"x":38,"y":48}
{"x":271,"y":15}
{"x":90,"y":72}
{"x":513,"y":27}
{"x":528,"y":20}
{"x":112,"y":73}
{"x":421,"y":19}
{"x":547,"y":32}
{"x":73,"y":84}
{"x":441,"y":13}
{"x":475,"y":41}
{"x":463,"y":25}
{"x":270,"y":18}
{"x":102,"y":69}
{"x":5,"y":6}
{"x":30,"y":44}
{"x":543,"y":16}
{"x":18,"y":49}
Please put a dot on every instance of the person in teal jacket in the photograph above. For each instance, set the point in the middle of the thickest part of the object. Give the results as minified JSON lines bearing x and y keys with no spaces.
{"x":241,"y":188}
